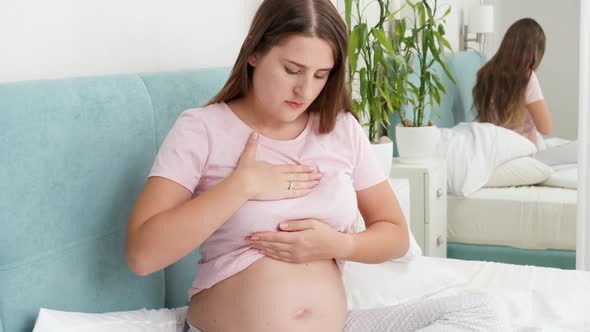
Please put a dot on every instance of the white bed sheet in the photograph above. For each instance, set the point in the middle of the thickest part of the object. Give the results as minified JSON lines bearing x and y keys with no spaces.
{"x":536,"y":298}
{"x":564,"y":176}
{"x":533,"y":217}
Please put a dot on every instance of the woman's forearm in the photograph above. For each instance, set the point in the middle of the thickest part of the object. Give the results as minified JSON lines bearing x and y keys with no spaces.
{"x":381,"y":241}
{"x":172,"y":234}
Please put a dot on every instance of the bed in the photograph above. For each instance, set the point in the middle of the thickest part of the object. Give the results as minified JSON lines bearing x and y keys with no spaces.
{"x":529,"y":225}
{"x":76,"y":153}
{"x":537,"y":222}
{"x":504,"y":203}
{"x":535,"y":298}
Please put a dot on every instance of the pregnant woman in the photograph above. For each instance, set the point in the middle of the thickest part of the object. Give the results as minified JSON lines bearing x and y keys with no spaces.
{"x":267,"y":179}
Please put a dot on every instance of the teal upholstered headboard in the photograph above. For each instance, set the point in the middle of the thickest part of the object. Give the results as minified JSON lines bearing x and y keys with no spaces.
{"x":457,"y":104}
{"x":74,"y":155}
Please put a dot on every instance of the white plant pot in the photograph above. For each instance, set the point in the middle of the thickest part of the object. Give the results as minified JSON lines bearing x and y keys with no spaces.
{"x":416,"y":145}
{"x":384,"y":154}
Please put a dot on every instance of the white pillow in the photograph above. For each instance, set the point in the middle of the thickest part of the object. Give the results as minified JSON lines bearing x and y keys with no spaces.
{"x":143,"y":320}
{"x":564,"y":176}
{"x":391,"y":283}
{"x":523,"y":171}
{"x":401,"y":188}
{"x":473,"y":150}
{"x":561,"y":154}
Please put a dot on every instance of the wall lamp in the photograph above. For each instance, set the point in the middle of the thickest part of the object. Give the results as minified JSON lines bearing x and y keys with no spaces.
{"x":480,"y":22}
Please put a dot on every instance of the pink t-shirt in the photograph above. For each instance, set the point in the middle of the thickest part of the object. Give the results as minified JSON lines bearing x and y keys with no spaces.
{"x":532,"y":94}
{"x":533,"y":91}
{"x":204,"y":146}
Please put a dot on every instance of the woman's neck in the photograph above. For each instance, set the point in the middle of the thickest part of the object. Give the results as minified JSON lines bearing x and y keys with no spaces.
{"x":259,"y":119}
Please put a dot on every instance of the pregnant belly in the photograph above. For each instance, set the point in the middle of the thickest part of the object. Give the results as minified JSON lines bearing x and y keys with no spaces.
{"x":271,"y":295}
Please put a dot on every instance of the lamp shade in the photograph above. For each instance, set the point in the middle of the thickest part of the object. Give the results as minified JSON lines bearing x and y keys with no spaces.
{"x":481,"y":19}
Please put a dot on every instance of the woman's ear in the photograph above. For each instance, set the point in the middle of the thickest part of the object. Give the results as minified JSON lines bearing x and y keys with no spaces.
{"x":252,"y":60}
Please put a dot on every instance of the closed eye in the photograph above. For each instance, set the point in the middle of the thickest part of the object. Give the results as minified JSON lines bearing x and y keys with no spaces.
{"x":292,"y":72}
{"x":297,"y":72}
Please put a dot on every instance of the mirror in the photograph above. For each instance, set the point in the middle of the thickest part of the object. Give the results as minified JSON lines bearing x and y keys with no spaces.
{"x":533,"y":225}
{"x":549,"y":222}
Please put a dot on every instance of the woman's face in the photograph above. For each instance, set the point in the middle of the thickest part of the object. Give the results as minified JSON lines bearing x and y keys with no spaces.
{"x":290,"y":76}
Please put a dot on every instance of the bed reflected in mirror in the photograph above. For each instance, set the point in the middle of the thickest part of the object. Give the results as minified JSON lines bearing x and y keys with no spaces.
{"x":526,"y":211}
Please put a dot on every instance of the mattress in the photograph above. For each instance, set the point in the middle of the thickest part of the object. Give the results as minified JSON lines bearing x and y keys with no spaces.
{"x":533,"y":217}
{"x":535,"y":298}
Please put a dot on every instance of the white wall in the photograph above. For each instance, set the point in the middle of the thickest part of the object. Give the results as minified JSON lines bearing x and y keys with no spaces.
{"x":454,"y":20}
{"x":558,"y":73}
{"x":65,"y":38}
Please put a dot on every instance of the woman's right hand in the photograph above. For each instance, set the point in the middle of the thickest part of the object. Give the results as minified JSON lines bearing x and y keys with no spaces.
{"x":265,"y":182}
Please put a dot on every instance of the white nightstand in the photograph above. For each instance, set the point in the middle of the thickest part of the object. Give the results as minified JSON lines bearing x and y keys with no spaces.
{"x":428,"y":204}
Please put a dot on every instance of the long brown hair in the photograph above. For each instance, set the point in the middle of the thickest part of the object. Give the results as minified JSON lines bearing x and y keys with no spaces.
{"x":276,"y":20}
{"x":499,"y":94}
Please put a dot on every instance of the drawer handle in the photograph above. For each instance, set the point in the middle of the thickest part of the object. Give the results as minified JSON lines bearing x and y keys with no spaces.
{"x":439,"y":193}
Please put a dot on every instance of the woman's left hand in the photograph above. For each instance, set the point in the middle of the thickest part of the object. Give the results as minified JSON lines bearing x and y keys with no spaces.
{"x":301,"y":241}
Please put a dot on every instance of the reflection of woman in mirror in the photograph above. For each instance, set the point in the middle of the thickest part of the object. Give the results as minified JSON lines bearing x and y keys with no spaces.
{"x":507,"y":92}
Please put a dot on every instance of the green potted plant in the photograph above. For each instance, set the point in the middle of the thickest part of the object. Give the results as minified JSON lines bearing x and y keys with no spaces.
{"x":371,"y":56}
{"x":420,"y":43}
